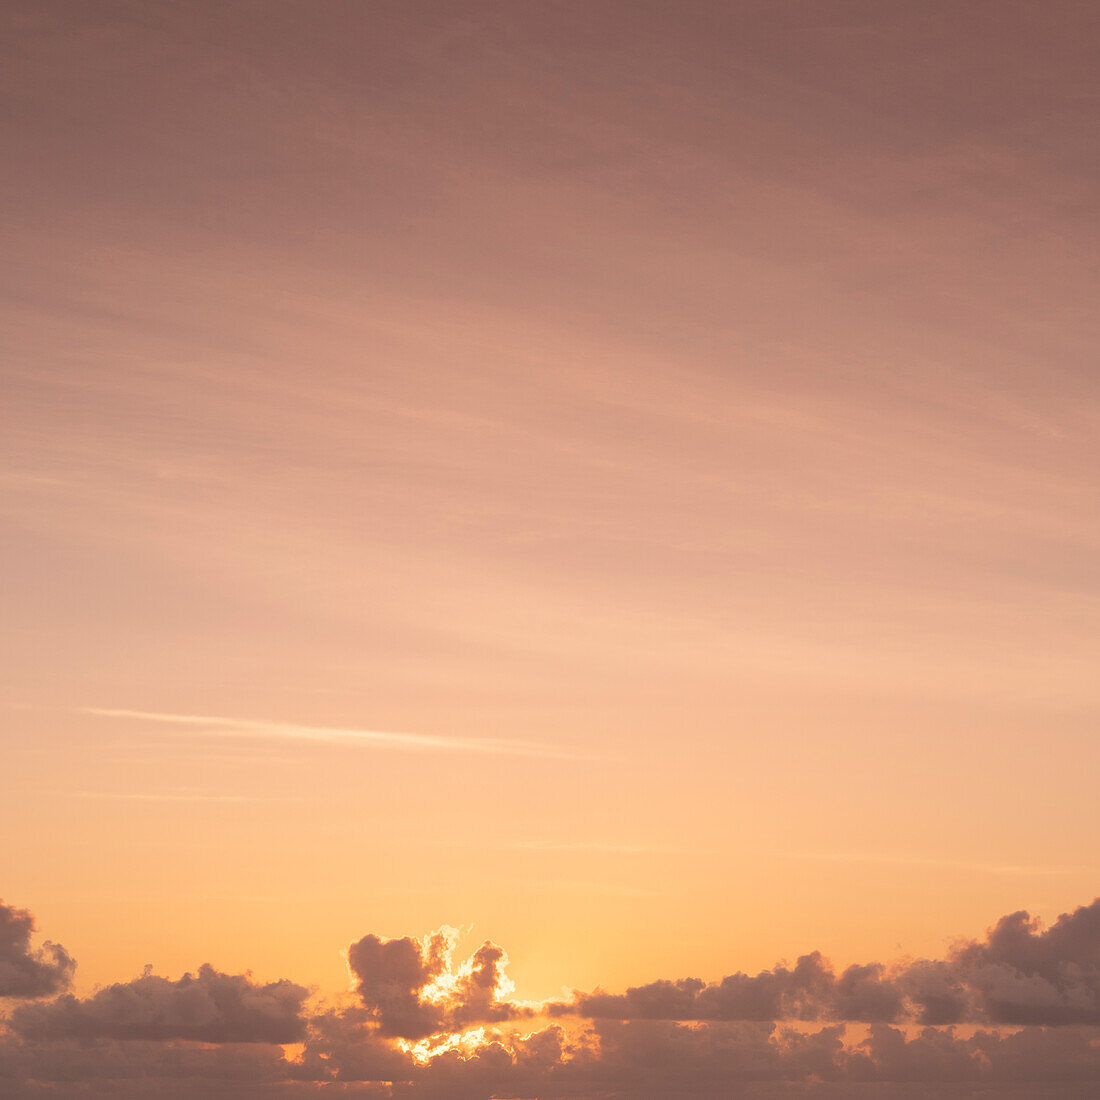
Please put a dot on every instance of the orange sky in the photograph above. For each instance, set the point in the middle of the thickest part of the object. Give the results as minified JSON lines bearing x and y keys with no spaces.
{"x":676,"y":422}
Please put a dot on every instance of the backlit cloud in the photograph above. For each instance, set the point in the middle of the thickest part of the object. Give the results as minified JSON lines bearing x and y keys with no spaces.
{"x":421,"y":1024}
{"x":414,"y":988}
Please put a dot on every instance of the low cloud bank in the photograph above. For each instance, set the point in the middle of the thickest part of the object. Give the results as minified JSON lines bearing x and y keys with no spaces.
{"x":209,"y":1007}
{"x":614,"y":1060}
{"x":420,"y":1024}
{"x":1018,"y":975}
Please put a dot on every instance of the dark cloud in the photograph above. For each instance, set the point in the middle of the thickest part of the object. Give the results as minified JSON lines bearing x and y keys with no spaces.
{"x":414,"y":989}
{"x":808,"y":991}
{"x":108,"y":1068}
{"x":209,"y":1007}
{"x":477,"y":997}
{"x":651,"y":1059}
{"x":347,"y":1045}
{"x":390,"y":977}
{"x":1023,"y":975}
{"x":616,"y":1060}
{"x":26,"y":972}
{"x":1017,"y":975}
{"x":422,"y":1026}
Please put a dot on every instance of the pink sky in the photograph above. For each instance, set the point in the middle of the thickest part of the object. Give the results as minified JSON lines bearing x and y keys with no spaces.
{"x":619,"y":479}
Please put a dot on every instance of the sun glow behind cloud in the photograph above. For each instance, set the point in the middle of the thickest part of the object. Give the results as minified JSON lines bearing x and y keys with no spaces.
{"x":1002,"y":1011}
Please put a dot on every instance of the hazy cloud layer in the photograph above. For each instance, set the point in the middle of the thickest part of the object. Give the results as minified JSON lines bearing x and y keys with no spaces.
{"x":641,"y":1060}
{"x":26,"y":971}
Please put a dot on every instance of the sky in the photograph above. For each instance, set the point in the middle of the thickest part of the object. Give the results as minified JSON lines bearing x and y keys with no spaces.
{"x":617,"y":480}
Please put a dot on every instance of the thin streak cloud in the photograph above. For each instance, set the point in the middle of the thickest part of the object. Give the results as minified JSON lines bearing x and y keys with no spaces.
{"x":217,"y":726}
{"x":602,"y":847}
{"x":168,"y":797}
{"x":928,"y":861}
{"x":596,"y":889}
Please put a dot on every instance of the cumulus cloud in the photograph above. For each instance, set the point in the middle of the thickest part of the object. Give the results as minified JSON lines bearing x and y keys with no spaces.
{"x":209,"y":1007}
{"x":414,"y":988}
{"x":1019,"y":974}
{"x":422,"y":1024}
{"x":24,"y":971}
{"x":1024,"y":975}
{"x":808,"y":991}
{"x":391,"y":976}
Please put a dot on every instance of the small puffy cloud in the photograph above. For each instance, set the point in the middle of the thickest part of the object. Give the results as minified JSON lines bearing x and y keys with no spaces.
{"x":24,"y":971}
{"x":209,"y":1007}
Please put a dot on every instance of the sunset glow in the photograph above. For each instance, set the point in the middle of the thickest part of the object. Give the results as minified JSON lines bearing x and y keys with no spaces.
{"x":550,"y":549}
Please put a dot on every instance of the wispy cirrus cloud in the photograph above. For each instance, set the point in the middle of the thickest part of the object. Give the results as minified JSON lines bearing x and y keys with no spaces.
{"x":220,"y":726}
{"x":163,"y":796}
{"x":594,"y":889}
{"x":903,"y":860}
{"x":602,"y":847}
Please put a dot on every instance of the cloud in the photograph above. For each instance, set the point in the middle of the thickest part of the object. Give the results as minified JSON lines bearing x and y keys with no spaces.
{"x":139,"y":1069}
{"x":601,"y":847}
{"x":186,"y":796}
{"x":639,"y":1060}
{"x":391,"y":976}
{"x":25,"y":972}
{"x":209,"y":1007}
{"x":1017,"y":975}
{"x":900,"y":860}
{"x":216,"y":726}
{"x":414,"y":989}
{"x":1023,"y":975}
{"x":808,"y":991}
{"x":651,"y":1059}
{"x":422,"y":1024}
{"x":346,"y":1044}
